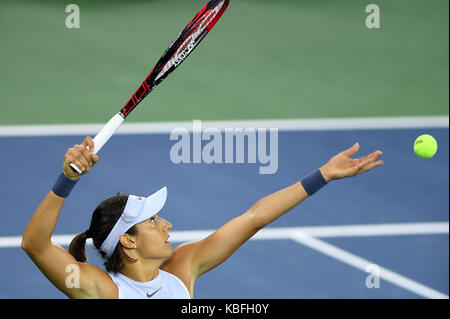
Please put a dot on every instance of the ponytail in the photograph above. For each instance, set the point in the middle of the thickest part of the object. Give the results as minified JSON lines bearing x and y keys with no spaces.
{"x":77,"y":247}
{"x":104,"y":217}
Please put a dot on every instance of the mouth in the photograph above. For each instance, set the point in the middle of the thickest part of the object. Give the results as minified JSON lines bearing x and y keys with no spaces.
{"x":167,"y":240}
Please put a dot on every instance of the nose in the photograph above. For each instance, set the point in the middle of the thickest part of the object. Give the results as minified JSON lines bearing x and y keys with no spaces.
{"x":168,"y":224}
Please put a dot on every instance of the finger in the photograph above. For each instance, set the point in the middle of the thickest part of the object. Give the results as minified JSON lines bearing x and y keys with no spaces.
{"x":352,"y":150}
{"x":69,"y":170}
{"x":79,"y":160}
{"x":371,"y":166}
{"x":363,"y":163}
{"x":71,"y":154}
{"x":89,"y":142}
{"x":372,"y":156}
{"x":78,"y":164}
{"x":94,"y":158}
{"x":84,"y":152}
{"x":369,"y":160}
{"x":84,"y":161}
{"x":80,"y":157}
{"x":376,"y":155}
{"x":87,"y":155}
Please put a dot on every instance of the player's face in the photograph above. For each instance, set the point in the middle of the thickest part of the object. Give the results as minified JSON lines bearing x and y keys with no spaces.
{"x":152,"y":238}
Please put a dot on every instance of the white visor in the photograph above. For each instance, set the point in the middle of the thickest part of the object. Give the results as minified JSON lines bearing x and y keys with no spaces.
{"x":136,"y":211}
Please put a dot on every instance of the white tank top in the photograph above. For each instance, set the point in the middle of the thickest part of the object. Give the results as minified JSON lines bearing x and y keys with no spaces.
{"x":164,"y":286}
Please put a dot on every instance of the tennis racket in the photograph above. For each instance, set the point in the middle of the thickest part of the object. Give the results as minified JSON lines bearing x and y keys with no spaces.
{"x":176,"y":53}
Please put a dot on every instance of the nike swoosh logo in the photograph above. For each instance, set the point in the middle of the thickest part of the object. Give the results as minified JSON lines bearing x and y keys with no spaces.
{"x":152,"y":294}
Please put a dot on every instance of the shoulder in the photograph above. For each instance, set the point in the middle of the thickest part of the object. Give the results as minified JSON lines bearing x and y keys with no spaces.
{"x":181,"y":258}
{"x":180,"y":264}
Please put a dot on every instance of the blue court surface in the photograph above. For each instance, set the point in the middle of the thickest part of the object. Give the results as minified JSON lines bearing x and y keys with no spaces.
{"x":399,"y":212}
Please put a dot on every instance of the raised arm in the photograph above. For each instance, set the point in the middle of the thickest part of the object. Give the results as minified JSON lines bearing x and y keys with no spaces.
{"x":50,"y":258}
{"x":204,"y":255}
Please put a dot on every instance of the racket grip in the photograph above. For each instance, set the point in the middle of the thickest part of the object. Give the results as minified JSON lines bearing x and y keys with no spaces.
{"x":103,"y":136}
{"x":107,"y":131}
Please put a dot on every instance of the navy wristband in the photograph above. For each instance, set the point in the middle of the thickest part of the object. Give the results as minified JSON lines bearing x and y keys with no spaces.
{"x":63,"y":186}
{"x":313,"y":182}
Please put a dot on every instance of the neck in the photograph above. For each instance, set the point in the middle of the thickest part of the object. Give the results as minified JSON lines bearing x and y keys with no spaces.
{"x":142,"y":270}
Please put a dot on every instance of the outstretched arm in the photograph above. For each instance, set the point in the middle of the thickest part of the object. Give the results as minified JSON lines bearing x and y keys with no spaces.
{"x":204,"y":255}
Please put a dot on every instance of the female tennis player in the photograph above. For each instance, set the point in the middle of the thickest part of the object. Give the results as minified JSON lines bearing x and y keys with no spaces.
{"x":133,"y":239}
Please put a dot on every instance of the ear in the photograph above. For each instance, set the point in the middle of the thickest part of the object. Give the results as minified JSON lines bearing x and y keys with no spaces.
{"x":127,"y":241}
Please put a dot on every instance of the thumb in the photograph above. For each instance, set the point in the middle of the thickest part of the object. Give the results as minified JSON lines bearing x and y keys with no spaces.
{"x":352,"y":150}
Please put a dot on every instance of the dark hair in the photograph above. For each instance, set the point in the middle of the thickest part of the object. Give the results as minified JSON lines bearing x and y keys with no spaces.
{"x":103,"y":220}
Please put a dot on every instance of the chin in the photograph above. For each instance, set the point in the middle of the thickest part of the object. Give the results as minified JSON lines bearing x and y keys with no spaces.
{"x":170,"y":253}
{"x":167,"y":256}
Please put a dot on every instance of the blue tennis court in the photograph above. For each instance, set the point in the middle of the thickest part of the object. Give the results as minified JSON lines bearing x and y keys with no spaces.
{"x":408,"y":193}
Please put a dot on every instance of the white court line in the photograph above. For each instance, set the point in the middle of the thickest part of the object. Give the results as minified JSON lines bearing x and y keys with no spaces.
{"x":360,"y":263}
{"x":272,"y":233}
{"x":372,"y":230}
{"x":269,"y":233}
{"x":303,"y":235}
{"x":282,"y":125}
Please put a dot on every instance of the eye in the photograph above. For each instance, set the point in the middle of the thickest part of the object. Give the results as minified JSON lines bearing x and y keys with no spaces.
{"x":152,"y":219}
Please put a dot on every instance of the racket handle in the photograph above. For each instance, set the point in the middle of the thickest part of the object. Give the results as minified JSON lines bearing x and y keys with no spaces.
{"x":75,"y":168}
{"x":103,"y":136}
{"x":107,"y":131}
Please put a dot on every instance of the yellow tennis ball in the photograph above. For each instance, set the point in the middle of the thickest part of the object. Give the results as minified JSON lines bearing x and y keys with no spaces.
{"x":425,"y":146}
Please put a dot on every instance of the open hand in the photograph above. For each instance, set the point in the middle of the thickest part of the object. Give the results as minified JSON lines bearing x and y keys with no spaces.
{"x":341,"y":165}
{"x":82,"y":156}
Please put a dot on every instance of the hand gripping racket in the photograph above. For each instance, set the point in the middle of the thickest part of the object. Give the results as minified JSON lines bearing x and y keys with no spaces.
{"x":176,"y":53}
